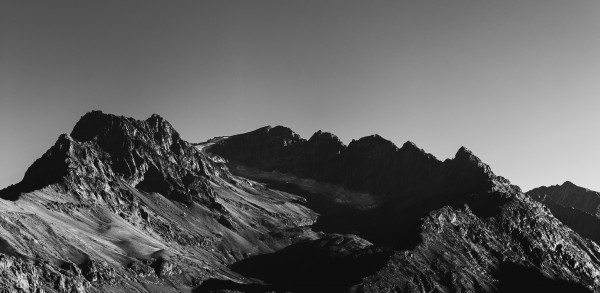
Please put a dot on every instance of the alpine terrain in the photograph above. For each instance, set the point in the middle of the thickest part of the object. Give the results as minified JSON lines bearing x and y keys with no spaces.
{"x":125,"y":205}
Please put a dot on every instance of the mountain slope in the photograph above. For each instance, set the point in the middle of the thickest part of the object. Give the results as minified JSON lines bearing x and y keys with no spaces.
{"x":133,"y":207}
{"x":569,"y":195}
{"x":404,"y":184}
{"x":454,"y":225}
{"x":125,"y":205}
{"x":575,"y":206}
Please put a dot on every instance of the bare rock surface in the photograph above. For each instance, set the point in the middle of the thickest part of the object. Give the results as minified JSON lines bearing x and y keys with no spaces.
{"x":453,"y":226}
{"x":575,"y":206}
{"x":569,"y":195}
{"x":126,"y":205}
{"x":136,"y":208}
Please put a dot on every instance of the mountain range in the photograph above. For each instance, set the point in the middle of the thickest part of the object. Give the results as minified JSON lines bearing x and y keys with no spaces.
{"x":126,"y":205}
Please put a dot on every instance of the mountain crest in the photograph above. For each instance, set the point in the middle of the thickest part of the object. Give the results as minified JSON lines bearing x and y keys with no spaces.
{"x":125,"y":204}
{"x":569,"y":195}
{"x":111,"y":150}
{"x":464,"y":153}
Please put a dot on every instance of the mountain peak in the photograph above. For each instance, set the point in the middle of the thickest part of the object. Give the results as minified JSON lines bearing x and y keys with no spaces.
{"x":374,"y":141}
{"x":283,"y":132}
{"x":409,"y":144}
{"x":275,"y":131}
{"x":146,"y":154}
{"x":92,"y":124}
{"x":466,"y":155}
{"x":325,"y":136}
{"x":155,"y":116}
{"x":125,"y":201}
{"x":103,"y":126}
{"x":465,"y":152}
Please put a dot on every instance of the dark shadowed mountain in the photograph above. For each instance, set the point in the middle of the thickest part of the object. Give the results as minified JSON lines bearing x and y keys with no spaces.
{"x":455,"y":226}
{"x":404,"y":184}
{"x":569,"y":195}
{"x":575,"y":206}
{"x":125,"y":205}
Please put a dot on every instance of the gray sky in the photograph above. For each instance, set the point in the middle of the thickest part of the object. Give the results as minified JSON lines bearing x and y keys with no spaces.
{"x":516,"y":81}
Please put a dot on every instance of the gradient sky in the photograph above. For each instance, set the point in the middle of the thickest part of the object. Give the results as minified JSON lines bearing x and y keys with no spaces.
{"x":515,"y":81}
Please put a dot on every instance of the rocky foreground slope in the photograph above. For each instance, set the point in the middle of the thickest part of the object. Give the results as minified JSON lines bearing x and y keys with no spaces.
{"x":122,"y":205}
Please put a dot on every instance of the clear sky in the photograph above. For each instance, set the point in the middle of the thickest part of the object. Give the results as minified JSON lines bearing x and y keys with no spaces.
{"x":515,"y":81}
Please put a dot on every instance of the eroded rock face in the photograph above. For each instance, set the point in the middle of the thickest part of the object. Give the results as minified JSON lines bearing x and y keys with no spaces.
{"x":123,"y":205}
{"x":370,"y":164}
{"x":461,"y":252}
{"x":407,"y":182}
{"x":569,"y":195}
{"x":19,"y":275}
{"x":129,"y":202}
{"x":575,"y":206}
{"x":479,"y":233}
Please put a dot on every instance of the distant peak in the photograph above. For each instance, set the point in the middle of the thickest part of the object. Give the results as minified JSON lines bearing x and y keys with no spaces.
{"x":325,"y":134}
{"x":412,"y":148}
{"x":374,"y":138}
{"x":160,"y":123}
{"x":91,"y":123}
{"x":94,"y":113}
{"x":409,"y":145}
{"x":568,"y":183}
{"x":373,"y":143}
{"x":465,"y":153}
{"x":321,"y":139}
{"x":466,"y":156}
{"x":155,"y":117}
{"x":111,"y":128}
{"x":276,"y":131}
{"x":280,"y":128}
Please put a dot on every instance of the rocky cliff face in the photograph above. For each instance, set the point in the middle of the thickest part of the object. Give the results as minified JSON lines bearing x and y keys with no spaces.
{"x":575,"y":206}
{"x":125,"y":205}
{"x":452,"y":226}
{"x":406,"y":182}
{"x":371,"y":164}
{"x":129,"y":205}
{"x":569,"y":195}
{"x":522,"y":248}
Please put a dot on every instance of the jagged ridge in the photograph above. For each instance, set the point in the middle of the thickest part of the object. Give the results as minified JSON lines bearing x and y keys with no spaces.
{"x":407,"y":182}
{"x":478,"y":229}
{"x":129,"y":202}
{"x":569,"y":195}
{"x":119,"y":203}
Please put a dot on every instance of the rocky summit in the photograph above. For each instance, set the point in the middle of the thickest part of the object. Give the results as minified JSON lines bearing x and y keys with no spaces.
{"x":125,"y":205}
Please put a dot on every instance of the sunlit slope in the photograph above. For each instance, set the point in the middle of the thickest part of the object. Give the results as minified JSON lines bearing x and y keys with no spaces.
{"x":128,"y":202}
